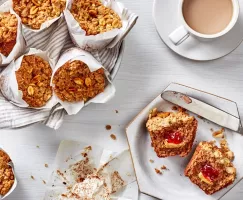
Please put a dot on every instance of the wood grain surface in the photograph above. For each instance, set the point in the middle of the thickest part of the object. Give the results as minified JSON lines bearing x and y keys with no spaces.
{"x":147,"y":68}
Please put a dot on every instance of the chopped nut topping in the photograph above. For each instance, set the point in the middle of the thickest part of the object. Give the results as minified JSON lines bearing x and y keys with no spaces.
{"x":74,"y":82}
{"x":8,"y":32}
{"x":94,"y":17}
{"x":219,"y":134}
{"x":230,"y":170}
{"x":34,"y":13}
{"x":6,"y":174}
{"x":34,"y":77}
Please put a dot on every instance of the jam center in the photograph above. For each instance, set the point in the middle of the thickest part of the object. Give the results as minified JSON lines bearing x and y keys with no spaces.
{"x":209,"y":172}
{"x":174,"y":137}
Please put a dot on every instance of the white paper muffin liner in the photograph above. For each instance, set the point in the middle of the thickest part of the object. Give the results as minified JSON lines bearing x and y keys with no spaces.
{"x":44,"y":25}
{"x":104,"y":160}
{"x":15,"y":180}
{"x":20,"y":45}
{"x":99,"y":41}
{"x":9,"y":85}
{"x":72,"y":54}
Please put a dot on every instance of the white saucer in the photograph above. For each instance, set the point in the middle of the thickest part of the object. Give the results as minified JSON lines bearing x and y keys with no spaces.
{"x":166,"y":18}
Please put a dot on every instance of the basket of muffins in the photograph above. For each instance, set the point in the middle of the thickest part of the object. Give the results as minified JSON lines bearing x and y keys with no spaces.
{"x":173,"y":133}
{"x":72,"y":77}
{"x":76,"y":80}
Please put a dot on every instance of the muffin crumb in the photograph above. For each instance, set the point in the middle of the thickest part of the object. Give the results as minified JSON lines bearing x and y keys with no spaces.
{"x":113,"y":136}
{"x":108,"y":127}
{"x":157,"y":171}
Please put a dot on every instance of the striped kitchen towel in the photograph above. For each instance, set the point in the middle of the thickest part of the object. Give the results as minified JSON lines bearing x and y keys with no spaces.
{"x":55,"y":39}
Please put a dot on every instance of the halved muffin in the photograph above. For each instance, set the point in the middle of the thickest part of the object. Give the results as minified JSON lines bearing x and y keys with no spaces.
{"x":211,"y":168}
{"x":172,"y":133}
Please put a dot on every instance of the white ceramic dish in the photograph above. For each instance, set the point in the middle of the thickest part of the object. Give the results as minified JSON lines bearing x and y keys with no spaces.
{"x":193,"y":48}
{"x":173,"y":185}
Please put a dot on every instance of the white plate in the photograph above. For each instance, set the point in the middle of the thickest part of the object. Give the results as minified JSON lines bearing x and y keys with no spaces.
{"x":173,"y":185}
{"x":165,"y":13}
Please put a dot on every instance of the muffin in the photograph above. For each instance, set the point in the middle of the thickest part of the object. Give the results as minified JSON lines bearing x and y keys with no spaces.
{"x":8,"y":32}
{"x":211,"y":167}
{"x":73,"y":82}
{"x":6,"y":174}
{"x":172,"y":133}
{"x":34,"y":78}
{"x":94,"y":17}
{"x":34,"y":13}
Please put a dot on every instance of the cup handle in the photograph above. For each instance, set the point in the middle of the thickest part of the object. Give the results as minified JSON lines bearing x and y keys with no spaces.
{"x":179,"y":35}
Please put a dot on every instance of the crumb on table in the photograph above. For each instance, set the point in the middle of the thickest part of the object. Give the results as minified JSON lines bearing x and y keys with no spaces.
{"x":113,"y":137}
{"x":46,"y":165}
{"x":108,"y":127}
{"x":152,"y":161}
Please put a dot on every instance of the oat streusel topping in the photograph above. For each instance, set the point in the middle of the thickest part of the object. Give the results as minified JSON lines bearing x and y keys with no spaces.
{"x":6,"y":174}
{"x":94,"y":17}
{"x":34,"y":78}
{"x":8,"y":32}
{"x":33,"y":13}
{"x":74,"y":82}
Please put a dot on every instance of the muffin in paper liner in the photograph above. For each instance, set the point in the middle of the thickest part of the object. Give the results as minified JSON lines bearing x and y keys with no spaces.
{"x":99,"y":41}
{"x":9,"y":85}
{"x":44,"y":25}
{"x":93,"y":65}
{"x":20,"y":44}
{"x":15,"y":180}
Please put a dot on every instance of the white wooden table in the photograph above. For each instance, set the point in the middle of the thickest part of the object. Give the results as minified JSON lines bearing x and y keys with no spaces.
{"x":148,"y":67}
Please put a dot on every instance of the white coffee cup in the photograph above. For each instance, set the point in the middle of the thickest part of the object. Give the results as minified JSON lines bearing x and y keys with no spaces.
{"x":184,"y":31}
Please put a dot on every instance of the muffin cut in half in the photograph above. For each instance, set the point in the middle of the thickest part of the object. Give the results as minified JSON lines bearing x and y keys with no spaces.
{"x":172,"y":133}
{"x":211,"y":167}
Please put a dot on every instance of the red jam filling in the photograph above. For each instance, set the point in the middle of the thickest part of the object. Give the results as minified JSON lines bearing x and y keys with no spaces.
{"x":174,"y":137}
{"x":209,"y":172}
